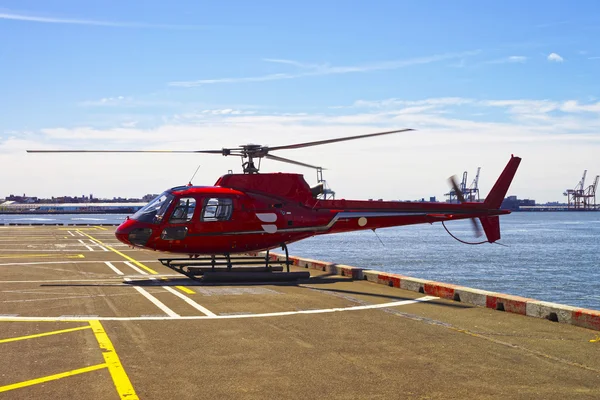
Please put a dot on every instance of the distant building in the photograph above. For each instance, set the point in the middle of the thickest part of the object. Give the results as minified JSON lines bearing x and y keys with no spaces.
{"x":149,"y":197}
{"x":513,"y":203}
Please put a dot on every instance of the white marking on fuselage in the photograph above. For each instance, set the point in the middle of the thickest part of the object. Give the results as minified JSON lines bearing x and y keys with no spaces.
{"x":267,"y":217}
{"x":269,"y":228}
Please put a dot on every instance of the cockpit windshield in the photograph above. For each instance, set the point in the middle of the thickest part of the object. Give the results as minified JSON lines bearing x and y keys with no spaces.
{"x":154,"y":211}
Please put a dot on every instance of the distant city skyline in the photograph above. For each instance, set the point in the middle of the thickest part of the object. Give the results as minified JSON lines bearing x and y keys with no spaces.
{"x":149,"y":196}
{"x":479,"y":81}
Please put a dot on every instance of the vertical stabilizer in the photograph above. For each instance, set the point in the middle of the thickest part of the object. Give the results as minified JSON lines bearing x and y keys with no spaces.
{"x":498,"y":192}
{"x":491,"y":227}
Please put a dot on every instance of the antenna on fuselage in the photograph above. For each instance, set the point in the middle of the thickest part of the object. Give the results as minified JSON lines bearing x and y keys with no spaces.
{"x":190,"y":184}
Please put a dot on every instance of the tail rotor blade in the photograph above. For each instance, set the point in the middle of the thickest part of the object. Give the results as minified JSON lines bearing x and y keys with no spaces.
{"x":459,"y":195}
{"x":476,"y":227}
{"x":457,"y":191}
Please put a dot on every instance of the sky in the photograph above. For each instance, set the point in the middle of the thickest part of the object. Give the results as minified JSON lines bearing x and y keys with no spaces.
{"x":478,"y":81}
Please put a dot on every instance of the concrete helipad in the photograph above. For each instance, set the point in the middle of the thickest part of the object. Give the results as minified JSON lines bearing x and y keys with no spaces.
{"x":82,"y":316}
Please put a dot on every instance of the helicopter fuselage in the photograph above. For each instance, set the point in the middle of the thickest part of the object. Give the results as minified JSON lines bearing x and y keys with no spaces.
{"x":254,"y":212}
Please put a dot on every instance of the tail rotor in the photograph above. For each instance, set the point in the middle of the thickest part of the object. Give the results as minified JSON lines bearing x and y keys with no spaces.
{"x":459,"y":195}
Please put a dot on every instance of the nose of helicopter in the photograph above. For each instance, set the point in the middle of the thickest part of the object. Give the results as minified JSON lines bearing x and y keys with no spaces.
{"x":123,"y":231}
{"x":132,"y":233}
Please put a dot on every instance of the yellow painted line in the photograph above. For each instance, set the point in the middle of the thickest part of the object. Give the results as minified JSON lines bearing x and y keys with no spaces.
{"x":139,"y":264}
{"x":76,"y":228}
{"x":119,"y":377}
{"x":52,"y":378}
{"x":15,"y":339}
{"x":100,"y":227}
{"x":182,"y":288}
{"x":41,"y":255}
{"x":185,"y":290}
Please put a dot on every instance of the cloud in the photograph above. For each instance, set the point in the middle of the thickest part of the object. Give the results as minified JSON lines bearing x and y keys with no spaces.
{"x":594,"y":58}
{"x":517,"y":59}
{"x":325,"y":69}
{"x":108,"y":101}
{"x":130,"y":102}
{"x":574,"y":106}
{"x":77,"y":21}
{"x":394,"y":102}
{"x":508,"y":60}
{"x":523,"y":106}
{"x":557,"y":139}
{"x":553,"y":57}
{"x":295,"y":63}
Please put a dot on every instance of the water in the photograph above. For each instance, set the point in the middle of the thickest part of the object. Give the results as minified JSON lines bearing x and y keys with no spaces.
{"x":551,"y":256}
{"x":91,"y":219}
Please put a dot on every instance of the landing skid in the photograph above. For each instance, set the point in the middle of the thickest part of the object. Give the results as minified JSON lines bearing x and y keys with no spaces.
{"x":235,"y":268}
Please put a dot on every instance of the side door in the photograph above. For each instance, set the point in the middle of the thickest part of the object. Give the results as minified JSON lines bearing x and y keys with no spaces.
{"x":181,"y":216}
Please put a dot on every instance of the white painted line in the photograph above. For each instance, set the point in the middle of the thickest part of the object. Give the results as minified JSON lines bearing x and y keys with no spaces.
{"x":190,"y":302}
{"x":97,"y":244}
{"x":70,"y":233}
{"x":85,"y":280}
{"x":70,"y":262}
{"x":113,"y":267}
{"x":88,"y":247}
{"x":155,"y":301}
{"x":39,"y":249}
{"x":265,"y":315}
{"x":136,"y":268}
{"x":79,"y":233}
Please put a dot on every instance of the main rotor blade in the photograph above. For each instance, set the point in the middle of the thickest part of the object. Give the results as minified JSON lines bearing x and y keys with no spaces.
{"x":287,"y":160}
{"x":319,"y":142}
{"x":457,"y":191}
{"x":127,"y":151}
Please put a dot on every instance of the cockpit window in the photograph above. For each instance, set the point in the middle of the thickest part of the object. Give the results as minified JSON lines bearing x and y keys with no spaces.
{"x":184,"y":210}
{"x":217,"y":209}
{"x":154,"y":211}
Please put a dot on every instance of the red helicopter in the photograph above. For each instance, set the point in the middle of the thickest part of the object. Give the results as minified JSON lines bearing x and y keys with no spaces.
{"x":252,"y":212}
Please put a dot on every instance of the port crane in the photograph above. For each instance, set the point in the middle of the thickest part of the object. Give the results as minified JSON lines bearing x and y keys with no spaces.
{"x":470,"y":193}
{"x":581,"y":197}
